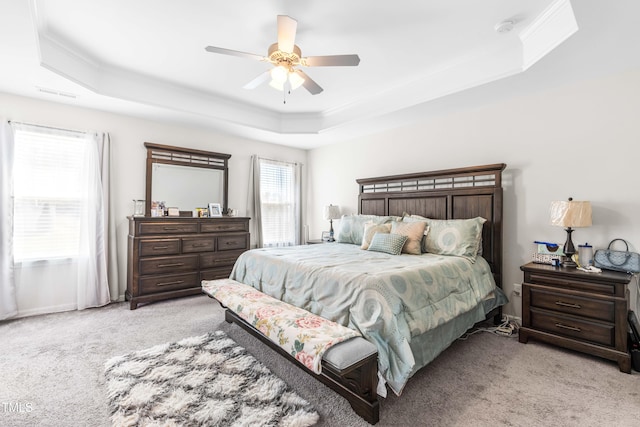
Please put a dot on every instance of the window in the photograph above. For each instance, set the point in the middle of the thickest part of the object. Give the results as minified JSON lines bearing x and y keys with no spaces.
{"x":279,"y":208}
{"x":49,"y":192}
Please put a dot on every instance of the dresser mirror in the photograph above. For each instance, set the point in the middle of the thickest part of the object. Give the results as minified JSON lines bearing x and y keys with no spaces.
{"x":185,"y":178}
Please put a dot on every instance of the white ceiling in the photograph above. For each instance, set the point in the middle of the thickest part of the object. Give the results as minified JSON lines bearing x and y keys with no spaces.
{"x":146,"y":57}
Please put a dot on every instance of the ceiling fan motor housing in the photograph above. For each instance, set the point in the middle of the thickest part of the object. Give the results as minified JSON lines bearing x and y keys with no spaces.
{"x":288,"y":59}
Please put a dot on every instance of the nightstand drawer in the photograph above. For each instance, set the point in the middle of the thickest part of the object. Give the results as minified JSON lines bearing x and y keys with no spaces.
{"x":569,"y":326}
{"x":572,"y":304}
{"x":584,"y":285}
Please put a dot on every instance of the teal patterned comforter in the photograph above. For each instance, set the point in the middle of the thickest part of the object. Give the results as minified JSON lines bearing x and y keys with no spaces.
{"x":389,"y":299}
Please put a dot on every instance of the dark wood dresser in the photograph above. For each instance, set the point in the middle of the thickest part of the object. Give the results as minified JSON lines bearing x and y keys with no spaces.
{"x":169,"y":257}
{"x":581,"y":311}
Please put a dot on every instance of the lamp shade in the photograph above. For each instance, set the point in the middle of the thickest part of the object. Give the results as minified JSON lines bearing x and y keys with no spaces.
{"x":332,"y":212}
{"x":570,"y":213}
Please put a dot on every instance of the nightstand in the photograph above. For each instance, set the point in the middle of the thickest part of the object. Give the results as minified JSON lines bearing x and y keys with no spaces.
{"x":580,"y":311}
{"x":316,"y":241}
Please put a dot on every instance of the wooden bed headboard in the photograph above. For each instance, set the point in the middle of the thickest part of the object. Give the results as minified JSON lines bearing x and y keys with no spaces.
{"x":447,"y":194}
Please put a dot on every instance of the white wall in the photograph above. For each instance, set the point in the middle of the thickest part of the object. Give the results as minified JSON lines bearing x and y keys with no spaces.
{"x":128,"y":135}
{"x":576,"y":140}
{"x":580,"y":140}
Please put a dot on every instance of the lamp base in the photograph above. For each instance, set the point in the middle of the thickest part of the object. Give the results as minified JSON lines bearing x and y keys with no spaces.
{"x":569,"y":264}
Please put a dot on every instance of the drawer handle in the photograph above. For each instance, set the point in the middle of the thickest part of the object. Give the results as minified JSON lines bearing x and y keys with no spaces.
{"x":571,"y":328}
{"x":200,"y":245}
{"x":231,"y":243}
{"x":175,"y":264}
{"x":177,"y":282}
{"x":567,"y":304}
{"x":155,"y":248}
{"x":170,"y":228}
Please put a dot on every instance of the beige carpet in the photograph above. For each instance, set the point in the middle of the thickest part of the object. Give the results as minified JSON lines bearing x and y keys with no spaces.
{"x":52,"y":374}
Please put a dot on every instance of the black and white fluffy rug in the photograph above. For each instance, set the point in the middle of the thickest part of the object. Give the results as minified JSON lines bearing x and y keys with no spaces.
{"x":206,"y":380}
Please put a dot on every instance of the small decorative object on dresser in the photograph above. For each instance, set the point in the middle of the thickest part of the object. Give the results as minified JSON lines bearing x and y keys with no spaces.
{"x":577,"y":310}
{"x":215,"y":210}
{"x":170,"y":257}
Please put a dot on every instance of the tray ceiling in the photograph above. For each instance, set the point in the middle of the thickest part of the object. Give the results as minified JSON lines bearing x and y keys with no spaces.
{"x":146,"y":58}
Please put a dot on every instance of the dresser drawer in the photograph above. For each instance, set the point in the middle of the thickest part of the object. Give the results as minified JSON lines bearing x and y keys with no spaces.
{"x":162,"y":265}
{"x":216,"y":273}
{"x":219,"y":259}
{"x":201,"y":244}
{"x":572,"y":304}
{"x":233,"y":241}
{"x":170,"y":282}
{"x":168,"y":227}
{"x":223,"y":227}
{"x":569,"y":326}
{"x":159,"y":247}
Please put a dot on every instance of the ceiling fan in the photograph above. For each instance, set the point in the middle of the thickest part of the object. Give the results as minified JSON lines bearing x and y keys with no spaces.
{"x":285,"y":55}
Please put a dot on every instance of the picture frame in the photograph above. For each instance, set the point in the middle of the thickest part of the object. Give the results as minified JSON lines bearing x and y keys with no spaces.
{"x":215,"y":210}
{"x":173,"y":211}
{"x":325,"y":236}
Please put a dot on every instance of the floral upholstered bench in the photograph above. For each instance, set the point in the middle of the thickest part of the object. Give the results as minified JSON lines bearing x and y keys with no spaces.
{"x":336,"y":355}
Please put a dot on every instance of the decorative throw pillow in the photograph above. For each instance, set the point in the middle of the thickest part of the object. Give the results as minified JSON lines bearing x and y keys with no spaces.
{"x":417,"y":218}
{"x":459,"y":237}
{"x":371,"y":228}
{"x":352,"y":227}
{"x":414,"y":230}
{"x":387,"y":243}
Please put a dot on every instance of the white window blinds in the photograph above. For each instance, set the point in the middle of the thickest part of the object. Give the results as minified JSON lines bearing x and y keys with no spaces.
{"x":49,"y":192}
{"x":278,"y":203}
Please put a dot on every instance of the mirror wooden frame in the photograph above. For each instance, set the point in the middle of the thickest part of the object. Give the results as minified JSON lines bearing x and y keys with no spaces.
{"x":171,"y":155}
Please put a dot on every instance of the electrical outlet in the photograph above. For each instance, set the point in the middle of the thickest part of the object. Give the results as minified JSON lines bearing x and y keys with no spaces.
{"x":517,"y":289}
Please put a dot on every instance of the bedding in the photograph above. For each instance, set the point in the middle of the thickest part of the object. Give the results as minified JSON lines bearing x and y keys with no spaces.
{"x":392,"y":300}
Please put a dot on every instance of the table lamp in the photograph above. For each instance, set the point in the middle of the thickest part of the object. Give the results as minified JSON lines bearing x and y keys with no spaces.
{"x":331,"y":212}
{"x":570,"y":214}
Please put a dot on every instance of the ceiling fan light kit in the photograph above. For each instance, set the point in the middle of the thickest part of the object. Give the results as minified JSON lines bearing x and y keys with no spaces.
{"x":285,"y":55}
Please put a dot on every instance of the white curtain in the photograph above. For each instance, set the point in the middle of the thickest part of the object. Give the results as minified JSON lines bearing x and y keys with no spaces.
{"x":8,"y":305}
{"x":254,"y":206}
{"x":45,"y":285}
{"x":104,"y":149}
{"x":281,"y":213}
{"x":93,"y":280}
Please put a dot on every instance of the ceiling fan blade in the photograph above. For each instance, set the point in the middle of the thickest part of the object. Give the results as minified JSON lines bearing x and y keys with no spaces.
{"x":223,"y":51}
{"x":331,"y":60}
{"x":258,"y":80}
{"x":313,"y":87}
{"x":287,"y":27}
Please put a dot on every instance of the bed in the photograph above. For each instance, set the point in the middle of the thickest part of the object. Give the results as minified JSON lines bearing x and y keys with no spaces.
{"x":411,"y":306}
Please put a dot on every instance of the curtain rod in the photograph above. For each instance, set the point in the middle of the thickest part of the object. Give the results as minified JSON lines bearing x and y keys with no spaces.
{"x":280,"y":161}
{"x":48,"y":127}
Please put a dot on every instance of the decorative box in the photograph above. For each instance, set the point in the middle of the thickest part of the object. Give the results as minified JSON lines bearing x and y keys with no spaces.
{"x":546,"y":253}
